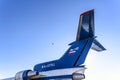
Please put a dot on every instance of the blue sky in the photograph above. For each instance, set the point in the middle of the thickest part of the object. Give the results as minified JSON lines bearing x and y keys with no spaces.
{"x":35,"y":31}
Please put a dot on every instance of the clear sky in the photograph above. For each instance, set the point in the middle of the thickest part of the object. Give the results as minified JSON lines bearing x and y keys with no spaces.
{"x":35,"y":31}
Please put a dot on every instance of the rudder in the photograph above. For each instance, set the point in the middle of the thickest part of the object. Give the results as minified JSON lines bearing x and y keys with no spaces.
{"x":86,"y":26}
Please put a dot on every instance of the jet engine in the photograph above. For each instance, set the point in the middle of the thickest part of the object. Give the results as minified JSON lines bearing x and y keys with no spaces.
{"x":26,"y":75}
{"x":78,"y":76}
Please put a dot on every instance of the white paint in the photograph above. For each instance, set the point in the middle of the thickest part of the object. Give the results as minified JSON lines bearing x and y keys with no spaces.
{"x":60,"y":72}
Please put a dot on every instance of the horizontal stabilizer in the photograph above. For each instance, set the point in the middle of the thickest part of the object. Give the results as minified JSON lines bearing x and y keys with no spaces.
{"x":97,"y":46}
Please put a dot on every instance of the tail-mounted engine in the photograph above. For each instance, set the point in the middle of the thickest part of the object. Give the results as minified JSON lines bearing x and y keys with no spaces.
{"x":78,"y":76}
{"x":26,"y":75}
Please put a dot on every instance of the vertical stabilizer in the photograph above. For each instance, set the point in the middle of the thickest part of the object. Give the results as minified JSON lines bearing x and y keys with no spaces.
{"x":85,"y":40}
{"x":78,"y":51}
{"x":86,"y":26}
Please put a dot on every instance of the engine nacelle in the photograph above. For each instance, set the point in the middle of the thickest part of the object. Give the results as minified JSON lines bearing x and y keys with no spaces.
{"x":25,"y":75}
{"x":78,"y":76}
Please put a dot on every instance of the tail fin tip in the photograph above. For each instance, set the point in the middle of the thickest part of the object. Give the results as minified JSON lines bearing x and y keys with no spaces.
{"x":92,"y":10}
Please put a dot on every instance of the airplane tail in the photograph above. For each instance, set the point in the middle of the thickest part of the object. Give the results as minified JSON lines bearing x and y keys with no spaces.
{"x":74,"y":56}
{"x":85,"y":40}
